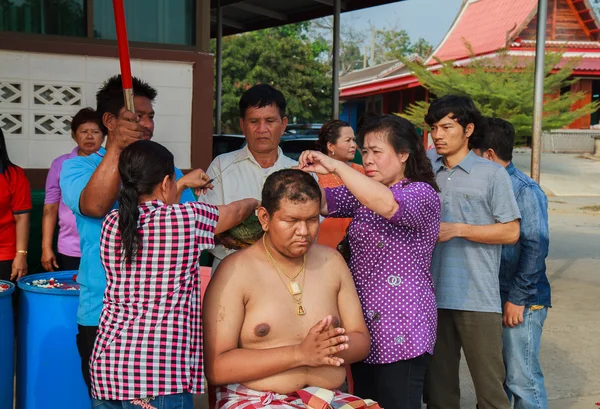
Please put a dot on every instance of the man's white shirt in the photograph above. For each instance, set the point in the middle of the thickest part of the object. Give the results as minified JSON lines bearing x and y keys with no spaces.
{"x":237,"y":175}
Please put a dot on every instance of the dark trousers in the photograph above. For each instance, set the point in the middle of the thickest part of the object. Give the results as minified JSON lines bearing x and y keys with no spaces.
{"x":85,"y":344}
{"x":479,"y":334}
{"x":5,"y":269}
{"x":398,"y":385}
{"x":66,"y":263}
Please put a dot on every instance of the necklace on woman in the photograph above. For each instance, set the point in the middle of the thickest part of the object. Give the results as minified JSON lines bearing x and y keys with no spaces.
{"x":293,"y":288}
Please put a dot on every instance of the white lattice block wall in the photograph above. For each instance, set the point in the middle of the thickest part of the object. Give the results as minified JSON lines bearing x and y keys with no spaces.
{"x":40,"y":93}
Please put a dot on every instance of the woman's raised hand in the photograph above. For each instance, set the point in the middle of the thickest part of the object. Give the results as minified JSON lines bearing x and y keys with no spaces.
{"x":313,"y":161}
{"x":197,"y":180}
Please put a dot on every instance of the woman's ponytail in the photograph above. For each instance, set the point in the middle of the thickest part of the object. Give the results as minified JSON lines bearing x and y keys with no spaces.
{"x":128,"y":221}
{"x":142,"y":166}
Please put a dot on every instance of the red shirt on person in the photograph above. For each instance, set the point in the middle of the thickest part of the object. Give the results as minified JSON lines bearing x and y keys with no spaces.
{"x":15,"y":198}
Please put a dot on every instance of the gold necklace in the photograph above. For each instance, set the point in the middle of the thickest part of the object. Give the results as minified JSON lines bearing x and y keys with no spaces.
{"x":293,"y":288}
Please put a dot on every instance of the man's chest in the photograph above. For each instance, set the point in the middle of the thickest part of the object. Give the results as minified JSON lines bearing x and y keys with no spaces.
{"x":279,"y":310}
{"x":244,"y":181}
{"x":464,"y":198}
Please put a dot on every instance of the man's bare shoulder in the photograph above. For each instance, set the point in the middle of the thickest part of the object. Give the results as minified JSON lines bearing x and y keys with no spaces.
{"x":327,"y":257}
{"x":237,"y":264}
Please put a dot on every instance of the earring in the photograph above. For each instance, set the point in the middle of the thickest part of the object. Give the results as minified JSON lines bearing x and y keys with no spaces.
{"x":332,"y":153}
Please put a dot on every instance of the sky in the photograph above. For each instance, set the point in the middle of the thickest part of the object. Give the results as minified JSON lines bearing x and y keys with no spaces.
{"x":429,"y":19}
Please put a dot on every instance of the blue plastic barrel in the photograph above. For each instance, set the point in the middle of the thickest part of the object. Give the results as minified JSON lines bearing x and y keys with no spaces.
{"x":48,"y":363}
{"x":7,"y":345}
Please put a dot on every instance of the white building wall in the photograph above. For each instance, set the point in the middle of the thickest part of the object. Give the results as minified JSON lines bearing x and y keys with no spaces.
{"x":40,"y":93}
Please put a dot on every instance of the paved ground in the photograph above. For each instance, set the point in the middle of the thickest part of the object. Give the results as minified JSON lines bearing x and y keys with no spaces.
{"x":564,"y":174}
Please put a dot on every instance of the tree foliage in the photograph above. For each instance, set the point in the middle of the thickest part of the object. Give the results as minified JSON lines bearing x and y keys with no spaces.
{"x":283,"y":57}
{"x":394,"y":44}
{"x":390,"y":44}
{"x":502,"y":86}
{"x":351,"y":40}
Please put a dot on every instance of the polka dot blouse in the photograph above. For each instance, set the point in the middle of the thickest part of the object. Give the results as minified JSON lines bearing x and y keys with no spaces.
{"x":390,"y":263}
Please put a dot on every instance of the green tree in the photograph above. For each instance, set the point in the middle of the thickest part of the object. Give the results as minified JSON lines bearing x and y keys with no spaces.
{"x":393,"y":44}
{"x":350,"y":56}
{"x":502,"y":86}
{"x":283,"y":57}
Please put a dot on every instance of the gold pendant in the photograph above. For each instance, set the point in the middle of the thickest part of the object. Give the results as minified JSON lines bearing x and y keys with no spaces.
{"x":295,"y":288}
{"x":301,"y":310}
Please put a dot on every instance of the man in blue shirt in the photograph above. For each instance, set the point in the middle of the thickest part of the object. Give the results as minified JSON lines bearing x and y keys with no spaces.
{"x":524,"y":286}
{"x":479,"y":215}
{"x":90,"y":186}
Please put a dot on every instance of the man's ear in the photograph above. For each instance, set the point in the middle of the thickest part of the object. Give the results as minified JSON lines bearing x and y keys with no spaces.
{"x":263,"y":218}
{"x":284,"y":121}
{"x":490,"y":155}
{"x":109,"y":121}
{"x":469,"y":130}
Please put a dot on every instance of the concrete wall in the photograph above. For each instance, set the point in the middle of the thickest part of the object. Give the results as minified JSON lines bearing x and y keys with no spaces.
{"x":569,"y":141}
{"x":39,"y":93}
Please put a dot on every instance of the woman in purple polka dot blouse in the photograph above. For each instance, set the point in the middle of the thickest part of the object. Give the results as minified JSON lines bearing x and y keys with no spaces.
{"x":396,"y":218}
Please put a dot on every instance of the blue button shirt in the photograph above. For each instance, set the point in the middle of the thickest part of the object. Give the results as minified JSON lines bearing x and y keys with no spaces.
{"x":523,"y":279}
{"x":74,"y":177}
{"x":476,"y":192}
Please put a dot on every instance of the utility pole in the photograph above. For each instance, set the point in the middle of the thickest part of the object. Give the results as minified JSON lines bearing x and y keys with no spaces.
{"x":538,"y":90}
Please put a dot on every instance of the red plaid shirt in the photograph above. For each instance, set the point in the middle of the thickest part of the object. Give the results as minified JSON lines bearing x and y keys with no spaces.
{"x":150,"y":334}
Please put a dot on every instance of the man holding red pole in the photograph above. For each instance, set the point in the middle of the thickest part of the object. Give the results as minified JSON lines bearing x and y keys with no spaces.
{"x":90,"y":185}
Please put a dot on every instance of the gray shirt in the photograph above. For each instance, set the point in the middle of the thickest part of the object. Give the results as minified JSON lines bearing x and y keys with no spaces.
{"x":477,"y":192}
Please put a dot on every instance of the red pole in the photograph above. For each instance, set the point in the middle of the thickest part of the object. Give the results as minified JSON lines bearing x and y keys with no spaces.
{"x":123,"y":44}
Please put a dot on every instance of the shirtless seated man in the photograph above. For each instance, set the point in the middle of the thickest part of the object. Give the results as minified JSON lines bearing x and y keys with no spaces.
{"x":282,"y":317}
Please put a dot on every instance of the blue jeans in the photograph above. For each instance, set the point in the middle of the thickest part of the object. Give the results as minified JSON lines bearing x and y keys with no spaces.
{"x":176,"y":401}
{"x":524,"y":378}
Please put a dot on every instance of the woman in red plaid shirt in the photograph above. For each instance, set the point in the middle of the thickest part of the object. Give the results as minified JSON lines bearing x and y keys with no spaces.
{"x":148,"y":352}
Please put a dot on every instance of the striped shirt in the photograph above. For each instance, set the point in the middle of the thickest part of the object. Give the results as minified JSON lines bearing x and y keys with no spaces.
{"x":150,"y":334}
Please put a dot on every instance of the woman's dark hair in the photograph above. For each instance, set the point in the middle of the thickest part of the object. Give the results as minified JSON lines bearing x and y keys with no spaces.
{"x":291,"y":184}
{"x":5,"y":162}
{"x":403,"y":137}
{"x":330,"y":132}
{"x":142,"y":166}
{"x":84,"y":116}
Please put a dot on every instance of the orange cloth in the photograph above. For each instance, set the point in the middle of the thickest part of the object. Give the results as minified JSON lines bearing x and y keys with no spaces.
{"x":332,"y":230}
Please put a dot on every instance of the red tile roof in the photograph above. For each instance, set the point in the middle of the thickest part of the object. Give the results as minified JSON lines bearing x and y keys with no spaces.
{"x":586,"y":63}
{"x":485,"y":24}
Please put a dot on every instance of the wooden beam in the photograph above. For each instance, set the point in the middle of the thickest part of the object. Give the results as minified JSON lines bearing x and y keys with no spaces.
{"x":202,"y":26}
{"x":330,"y":3}
{"x":251,"y":8}
{"x":229,"y":22}
{"x":553,"y":24}
{"x":578,"y":16}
